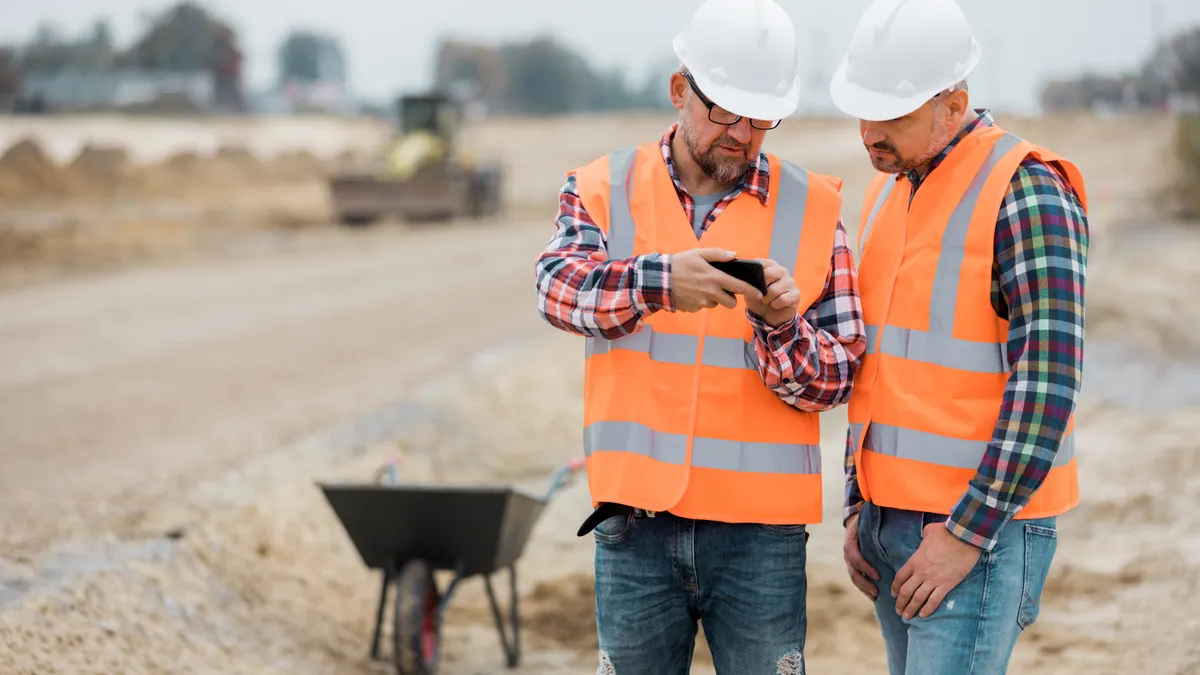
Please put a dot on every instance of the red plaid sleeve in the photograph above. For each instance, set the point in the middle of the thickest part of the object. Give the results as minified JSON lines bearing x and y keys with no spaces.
{"x":582,"y":292}
{"x":810,"y":363}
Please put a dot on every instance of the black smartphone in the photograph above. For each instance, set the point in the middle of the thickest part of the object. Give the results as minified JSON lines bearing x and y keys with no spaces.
{"x":749,"y":271}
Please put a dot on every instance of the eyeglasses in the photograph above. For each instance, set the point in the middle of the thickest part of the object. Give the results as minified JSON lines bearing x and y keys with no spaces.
{"x":719,"y":115}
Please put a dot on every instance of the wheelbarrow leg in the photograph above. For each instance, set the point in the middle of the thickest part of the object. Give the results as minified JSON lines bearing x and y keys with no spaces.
{"x":383,"y":593}
{"x":510,"y":639}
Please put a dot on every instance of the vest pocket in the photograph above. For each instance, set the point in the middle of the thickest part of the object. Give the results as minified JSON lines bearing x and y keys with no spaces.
{"x":614,"y":530}
{"x":1040,"y":546}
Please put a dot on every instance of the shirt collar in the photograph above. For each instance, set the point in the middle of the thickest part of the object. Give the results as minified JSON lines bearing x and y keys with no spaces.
{"x":756,"y":181}
{"x":983,"y":118}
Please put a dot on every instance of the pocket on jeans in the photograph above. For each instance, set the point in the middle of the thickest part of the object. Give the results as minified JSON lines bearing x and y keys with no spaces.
{"x":1040,"y":546}
{"x":614,"y":530}
{"x":787,"y":530}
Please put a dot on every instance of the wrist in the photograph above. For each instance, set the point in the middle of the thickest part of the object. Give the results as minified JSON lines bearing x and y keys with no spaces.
{"x":777,"y":321}
{"x":652,"y":289}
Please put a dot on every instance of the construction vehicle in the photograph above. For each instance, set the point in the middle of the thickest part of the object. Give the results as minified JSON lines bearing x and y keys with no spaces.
{"x":424,"y":175}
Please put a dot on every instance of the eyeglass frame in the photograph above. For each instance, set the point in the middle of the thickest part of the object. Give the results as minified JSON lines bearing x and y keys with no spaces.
{"x":708,"y":103}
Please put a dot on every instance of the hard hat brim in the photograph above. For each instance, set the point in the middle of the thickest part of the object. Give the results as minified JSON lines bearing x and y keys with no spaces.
{"x":750,"y":104}
{"x":873,"y":106}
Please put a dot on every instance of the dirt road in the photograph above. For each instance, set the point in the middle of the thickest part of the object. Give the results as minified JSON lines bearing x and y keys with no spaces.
{"x":116,"y":392}
{"x":161,"y":429}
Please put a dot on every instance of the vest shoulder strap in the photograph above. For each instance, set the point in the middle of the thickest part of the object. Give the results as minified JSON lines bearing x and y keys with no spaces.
{"x":595,"y":180}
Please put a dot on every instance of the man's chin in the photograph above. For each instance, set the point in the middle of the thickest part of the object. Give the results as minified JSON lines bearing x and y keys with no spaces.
{"x":884,"y":166}
{"x":725,"y":172}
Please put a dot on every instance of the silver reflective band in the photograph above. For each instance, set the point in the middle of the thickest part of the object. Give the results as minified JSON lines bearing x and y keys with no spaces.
{"x":619,"y":242}
{"x":681,"y":348}
{"x":879,"y":202}
{"x":939,"y":350}
{"x":885,"y":439}
{"x":707,"y":453}
{"x":946,"y":279}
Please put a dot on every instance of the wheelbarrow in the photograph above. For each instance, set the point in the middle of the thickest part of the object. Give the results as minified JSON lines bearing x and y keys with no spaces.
{"x":409,"y":531}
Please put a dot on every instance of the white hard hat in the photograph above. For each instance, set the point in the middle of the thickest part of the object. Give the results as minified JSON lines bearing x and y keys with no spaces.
{"x":742,"y":55}
{"x":902,"y":54}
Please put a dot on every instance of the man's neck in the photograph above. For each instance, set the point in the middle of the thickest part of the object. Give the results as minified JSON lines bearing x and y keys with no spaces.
{"x":694,"y":180}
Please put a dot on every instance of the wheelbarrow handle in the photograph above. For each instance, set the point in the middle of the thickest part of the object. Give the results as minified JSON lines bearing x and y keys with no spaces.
{"x":562,"y":475}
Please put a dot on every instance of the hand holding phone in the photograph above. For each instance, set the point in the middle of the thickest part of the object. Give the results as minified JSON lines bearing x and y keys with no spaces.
{"x":780,"y":304}
{"x":696,"y":284}
{"x":749,"y":271}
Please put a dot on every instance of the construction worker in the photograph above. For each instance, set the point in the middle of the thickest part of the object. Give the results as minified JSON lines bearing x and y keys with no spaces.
{"x":701,"y":395}
{"x":973,"y":246}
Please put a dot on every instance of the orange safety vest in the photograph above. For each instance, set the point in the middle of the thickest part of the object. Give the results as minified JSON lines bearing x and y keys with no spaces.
{"x":929,"y":390}
{"x":676,"y":416}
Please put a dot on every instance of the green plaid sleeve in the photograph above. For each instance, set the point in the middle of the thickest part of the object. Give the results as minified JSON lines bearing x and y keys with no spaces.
{"x":1041,"y":256}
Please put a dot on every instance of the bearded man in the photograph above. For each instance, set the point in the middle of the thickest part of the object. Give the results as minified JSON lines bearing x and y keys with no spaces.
{"x":701,"y":394}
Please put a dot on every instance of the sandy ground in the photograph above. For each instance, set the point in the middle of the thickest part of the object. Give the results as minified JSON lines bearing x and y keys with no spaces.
{"x":163,"y":424}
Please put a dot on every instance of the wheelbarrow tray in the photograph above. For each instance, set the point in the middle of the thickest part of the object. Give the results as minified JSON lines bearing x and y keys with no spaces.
{"x":408,"y":531}
{"x":471,"y":529}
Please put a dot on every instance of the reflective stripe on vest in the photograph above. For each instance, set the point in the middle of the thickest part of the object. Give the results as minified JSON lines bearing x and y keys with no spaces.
{"x":883,"y":196}
{"x":921,"y":446}
{"x":707,"y":453}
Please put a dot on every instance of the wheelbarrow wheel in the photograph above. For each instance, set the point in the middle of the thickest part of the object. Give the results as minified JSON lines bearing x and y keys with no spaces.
{"x":417,"y":631}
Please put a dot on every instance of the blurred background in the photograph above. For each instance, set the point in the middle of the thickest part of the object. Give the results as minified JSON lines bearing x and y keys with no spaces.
{"x":247,"y":246}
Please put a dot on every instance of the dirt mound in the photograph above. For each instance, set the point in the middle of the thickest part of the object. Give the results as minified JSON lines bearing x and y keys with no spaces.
{"x":28,"y":173}
{"x":299,"y":165}
{"x":102,"y":167}
{"x":564,"y":610}
{"x":237,"y":163}
{"x":25,"y":170}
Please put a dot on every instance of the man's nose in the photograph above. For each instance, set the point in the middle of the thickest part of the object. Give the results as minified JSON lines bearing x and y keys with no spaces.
{"x":740,"y":131}
{"x":871,"y":133}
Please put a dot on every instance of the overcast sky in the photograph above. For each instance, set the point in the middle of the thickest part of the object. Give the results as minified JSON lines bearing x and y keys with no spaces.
{"x":389,"y":43}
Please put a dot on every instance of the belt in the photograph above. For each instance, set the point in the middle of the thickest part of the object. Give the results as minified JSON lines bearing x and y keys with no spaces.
{"x":607,"y":510}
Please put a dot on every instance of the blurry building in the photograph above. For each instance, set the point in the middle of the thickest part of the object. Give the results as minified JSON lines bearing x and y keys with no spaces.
{"x":119,"y":89}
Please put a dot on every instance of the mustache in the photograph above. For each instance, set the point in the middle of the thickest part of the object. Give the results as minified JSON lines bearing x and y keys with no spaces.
{"x":884,"y":146}
{"x":730,"y":142}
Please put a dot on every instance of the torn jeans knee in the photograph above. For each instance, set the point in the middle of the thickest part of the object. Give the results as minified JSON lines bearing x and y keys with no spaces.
{"x":791,"y":663}
{"x":606,"y":665}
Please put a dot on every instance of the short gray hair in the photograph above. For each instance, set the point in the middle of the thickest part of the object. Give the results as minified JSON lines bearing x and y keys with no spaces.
{"x":940,"y":97}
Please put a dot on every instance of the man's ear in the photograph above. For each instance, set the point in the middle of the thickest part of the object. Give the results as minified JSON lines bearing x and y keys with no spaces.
{"x":956,"y":104}
{"x":678,"y":89}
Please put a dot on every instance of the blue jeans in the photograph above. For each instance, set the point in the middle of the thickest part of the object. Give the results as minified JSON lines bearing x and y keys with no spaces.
{"x":974,"y":630}
{"x":655,"y":577}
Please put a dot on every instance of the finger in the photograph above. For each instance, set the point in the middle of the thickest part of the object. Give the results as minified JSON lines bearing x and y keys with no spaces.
{"x":726,"y":300}
{"x":860,"y":563}
{"x":773,"y":273}
{"x":773,"y":292}
{"x":789,"y":298}
{"x":934,"y":601}
{"x":902,"y":577}
{"x":716,"y":254}
{"x":906,"y":592}
{"x":864,"y":584}
{"x":918,"y":599}
{"x":737,"y":286}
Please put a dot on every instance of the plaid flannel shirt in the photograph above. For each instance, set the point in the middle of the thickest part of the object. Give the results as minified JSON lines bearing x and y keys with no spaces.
{"x":809,"y":363}
{"x":1038,"y":275}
